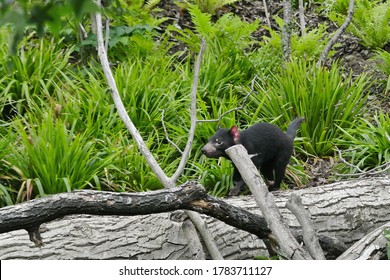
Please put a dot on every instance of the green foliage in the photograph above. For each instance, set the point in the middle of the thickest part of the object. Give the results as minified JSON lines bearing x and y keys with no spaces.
{"x":206,"y":6}
{"x":149,"y":86}
{"x":57,"y":159}
{"x":327,"y":100}
{"x":228,"y":33}
{"x":387,"y":236}
{"x":336,"y":6}
{"x":7,"y":194}
{"x":41,"y":15}
{"x":138,"y":38}
{"x":367,"y":144}
{"x":309,"y":46}
{"x":370,"y":21}
{"x":67,"y":134}
{"x":133,"y":28}
{"x":30,"y":77}
{"x":225,"y":63}
{"x":383,"y":64}
{"x":217,"y":177}
{"x":6,"y":197}
{"x":136,"y":12}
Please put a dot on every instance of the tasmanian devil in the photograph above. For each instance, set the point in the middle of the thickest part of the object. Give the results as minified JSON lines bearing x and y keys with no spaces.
{"x":269,"y":147}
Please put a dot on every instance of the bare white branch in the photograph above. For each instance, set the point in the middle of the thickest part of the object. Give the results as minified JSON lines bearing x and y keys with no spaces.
{"x":121,"y":108}
{"x":378,"y":170}
{"x":266,"y":14}
{"x":286,"y":31}
{"x":265,"y":201}
{"x":166,"y":133}
{"x":302,"y":18}
{"x":191,"y":134}
{"x":167,"y":182}
{"x":337,"y":35}
{"x":294,"y":204}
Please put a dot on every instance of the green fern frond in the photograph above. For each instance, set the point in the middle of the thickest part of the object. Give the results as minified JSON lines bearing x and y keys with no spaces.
{"x":202,"y":21}
{"x":149,"y":5}
{"x":370,"y":22}
{"x":208,"y":6}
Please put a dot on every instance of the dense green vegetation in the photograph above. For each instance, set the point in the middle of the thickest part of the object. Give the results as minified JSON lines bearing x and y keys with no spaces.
{"x":59,"y":129}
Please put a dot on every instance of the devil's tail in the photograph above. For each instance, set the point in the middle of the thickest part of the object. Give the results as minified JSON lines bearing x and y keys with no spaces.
{"x":292,"y":128}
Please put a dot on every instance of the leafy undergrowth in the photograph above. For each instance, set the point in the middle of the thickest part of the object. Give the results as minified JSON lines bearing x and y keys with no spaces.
{"x":60,"y":131}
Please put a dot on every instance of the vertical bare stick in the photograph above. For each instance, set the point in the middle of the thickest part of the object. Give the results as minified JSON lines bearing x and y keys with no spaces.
{"x":337,"y":35}
{"x":286,"y":31}
{"x":266,"y":14}
{"x":302,"y":18}
{"x":294,"y":204}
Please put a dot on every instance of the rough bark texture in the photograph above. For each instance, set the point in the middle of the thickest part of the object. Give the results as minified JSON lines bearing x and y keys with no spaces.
{"x":347,"y":211}
{"x":372,"y":246}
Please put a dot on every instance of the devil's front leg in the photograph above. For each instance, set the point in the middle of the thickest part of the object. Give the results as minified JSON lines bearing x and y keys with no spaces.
{"x":238,"y":183}
{"x":237,"y":179}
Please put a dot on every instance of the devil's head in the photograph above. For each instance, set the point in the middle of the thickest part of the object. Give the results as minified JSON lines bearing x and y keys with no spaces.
{"x":220,"y":141}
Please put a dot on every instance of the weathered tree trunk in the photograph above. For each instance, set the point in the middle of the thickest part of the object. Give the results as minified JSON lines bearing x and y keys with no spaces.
{"x":346,"y":211}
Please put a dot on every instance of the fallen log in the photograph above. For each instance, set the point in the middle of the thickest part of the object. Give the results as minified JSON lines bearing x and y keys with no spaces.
{"x":342,"y":213}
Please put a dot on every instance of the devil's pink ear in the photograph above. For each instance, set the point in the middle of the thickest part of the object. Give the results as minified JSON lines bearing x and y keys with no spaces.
{"x":235,"y":134}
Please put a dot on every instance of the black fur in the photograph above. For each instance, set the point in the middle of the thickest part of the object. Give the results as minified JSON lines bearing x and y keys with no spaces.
{"x":268,"y":145}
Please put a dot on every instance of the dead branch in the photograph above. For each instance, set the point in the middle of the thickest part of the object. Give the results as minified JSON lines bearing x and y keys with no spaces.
{"x":190,"y":196}
{"x":265,"y":201}
{"x":266,"y":13}
{"x":341,"y":212}
{"x":121,"y":108}
{"x":337,"y":35}
{"x":294,"y":204}
{"x":191,"y":133}
{"x":156,"y":168}
{"x":370,"y":247}
{"x":166,"y":133}
{"x":378,"y":170}
{"x":302,"y":18}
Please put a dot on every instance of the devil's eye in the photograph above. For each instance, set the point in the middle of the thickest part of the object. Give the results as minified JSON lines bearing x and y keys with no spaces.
{"x":218,"y":142}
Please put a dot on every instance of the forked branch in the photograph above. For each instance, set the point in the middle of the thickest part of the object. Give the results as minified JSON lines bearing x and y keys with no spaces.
{"x":163,"y":178}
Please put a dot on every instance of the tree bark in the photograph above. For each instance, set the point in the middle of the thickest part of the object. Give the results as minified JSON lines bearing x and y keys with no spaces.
{"x":372,"y":246}
{"x":346,"y":211}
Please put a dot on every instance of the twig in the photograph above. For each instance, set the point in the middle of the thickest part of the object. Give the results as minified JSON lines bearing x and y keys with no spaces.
{"x":166,"y":133}
{"x":83,"y":31}
{"x":337,"y":35}
{"x":266,"y":14}
{"x":191,"y":133}
{"x":242,"y":107}
{"x":361,"y":172}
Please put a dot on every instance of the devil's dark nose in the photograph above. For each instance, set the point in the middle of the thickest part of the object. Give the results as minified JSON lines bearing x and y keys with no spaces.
{"x":203,"y":150}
